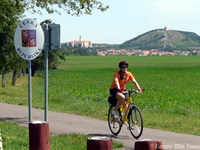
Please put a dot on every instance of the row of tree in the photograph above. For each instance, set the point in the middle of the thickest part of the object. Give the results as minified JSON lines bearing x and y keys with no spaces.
{"x":78,"y":51}
{"x":11,"y":13}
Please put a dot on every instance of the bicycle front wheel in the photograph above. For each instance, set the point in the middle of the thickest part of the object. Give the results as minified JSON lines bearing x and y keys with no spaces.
{"x":114,"y":124}
{"x":135,"y":122}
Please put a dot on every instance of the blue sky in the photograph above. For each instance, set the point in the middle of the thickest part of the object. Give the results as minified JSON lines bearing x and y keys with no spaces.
{"x":127,"y":19}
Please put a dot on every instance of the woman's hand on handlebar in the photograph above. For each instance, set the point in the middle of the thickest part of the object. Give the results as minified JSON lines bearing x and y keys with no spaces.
{"x":141,"y":90}
{"x":121,"y":90}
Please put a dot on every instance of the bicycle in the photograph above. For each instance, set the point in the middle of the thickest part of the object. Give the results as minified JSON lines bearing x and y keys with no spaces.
{"x":133,"y":114}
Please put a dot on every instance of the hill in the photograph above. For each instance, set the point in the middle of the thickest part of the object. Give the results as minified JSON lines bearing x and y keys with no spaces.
{"x":163,"y":39}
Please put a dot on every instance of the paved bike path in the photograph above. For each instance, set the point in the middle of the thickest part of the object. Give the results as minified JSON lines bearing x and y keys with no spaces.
{"x":68,"y":123}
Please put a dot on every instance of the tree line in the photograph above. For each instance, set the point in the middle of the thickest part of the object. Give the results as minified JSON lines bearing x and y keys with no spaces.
{"x":78,"y":51}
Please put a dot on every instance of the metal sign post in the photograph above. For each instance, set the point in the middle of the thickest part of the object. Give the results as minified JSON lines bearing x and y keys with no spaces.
{"x":52,"y":41}
{"x":29,"y":41}
{"x":29,"y":92}
{"x":46,"y":31}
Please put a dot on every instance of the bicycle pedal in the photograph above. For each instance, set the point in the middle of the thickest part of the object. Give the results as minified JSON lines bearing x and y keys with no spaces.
{"x":130,"y":128}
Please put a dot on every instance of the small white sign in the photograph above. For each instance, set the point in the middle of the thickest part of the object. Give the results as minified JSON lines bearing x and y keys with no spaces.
{"x":29,"y":39}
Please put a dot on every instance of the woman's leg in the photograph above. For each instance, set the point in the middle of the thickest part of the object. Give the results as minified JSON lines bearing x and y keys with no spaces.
{"x":120,"y":100}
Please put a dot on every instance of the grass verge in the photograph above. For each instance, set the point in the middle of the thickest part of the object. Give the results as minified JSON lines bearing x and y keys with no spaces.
{"x":16,"y":137}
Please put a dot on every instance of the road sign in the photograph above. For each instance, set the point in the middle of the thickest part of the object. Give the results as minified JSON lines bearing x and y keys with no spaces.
{"x":29,"y":39}
{"x":53,"y":35}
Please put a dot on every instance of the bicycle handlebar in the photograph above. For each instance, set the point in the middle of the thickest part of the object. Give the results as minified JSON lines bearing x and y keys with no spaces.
{"x":131,"y":91}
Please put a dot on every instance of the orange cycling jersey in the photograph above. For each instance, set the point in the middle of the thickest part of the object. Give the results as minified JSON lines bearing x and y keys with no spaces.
{"x":122,"y":83}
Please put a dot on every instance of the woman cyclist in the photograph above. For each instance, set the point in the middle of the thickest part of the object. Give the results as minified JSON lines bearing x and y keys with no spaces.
{"x":118,"y":85}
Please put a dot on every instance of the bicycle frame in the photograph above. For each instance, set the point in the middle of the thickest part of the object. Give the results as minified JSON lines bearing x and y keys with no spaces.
{"x":129,"y":103}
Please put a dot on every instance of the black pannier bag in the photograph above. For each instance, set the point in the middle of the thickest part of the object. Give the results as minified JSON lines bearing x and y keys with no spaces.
{"x":112,"y":100}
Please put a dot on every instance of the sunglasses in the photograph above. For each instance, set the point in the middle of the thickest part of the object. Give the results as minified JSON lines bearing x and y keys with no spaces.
{"x":124,"y":67}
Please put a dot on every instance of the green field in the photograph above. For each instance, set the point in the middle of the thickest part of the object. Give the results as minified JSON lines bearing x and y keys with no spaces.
{"x":80,"y":85}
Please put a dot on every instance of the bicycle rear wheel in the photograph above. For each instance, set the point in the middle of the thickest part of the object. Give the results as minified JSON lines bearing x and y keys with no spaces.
{"x":135,"y":122}
{"x":114,"y":124}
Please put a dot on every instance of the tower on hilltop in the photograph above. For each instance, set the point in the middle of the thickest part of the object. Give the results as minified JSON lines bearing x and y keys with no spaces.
{"x":80,"y":38}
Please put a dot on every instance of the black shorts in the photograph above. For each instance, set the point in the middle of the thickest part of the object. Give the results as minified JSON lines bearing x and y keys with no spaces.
{"x":112,"y":98}
{"x":113,"y":92}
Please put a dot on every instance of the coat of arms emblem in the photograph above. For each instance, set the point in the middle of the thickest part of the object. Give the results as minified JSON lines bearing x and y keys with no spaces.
{"x":28,"y":38}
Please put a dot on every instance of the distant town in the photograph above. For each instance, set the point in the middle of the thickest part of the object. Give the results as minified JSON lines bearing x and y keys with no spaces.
{"x":153,"y":52}
{"x":113,"y":52}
